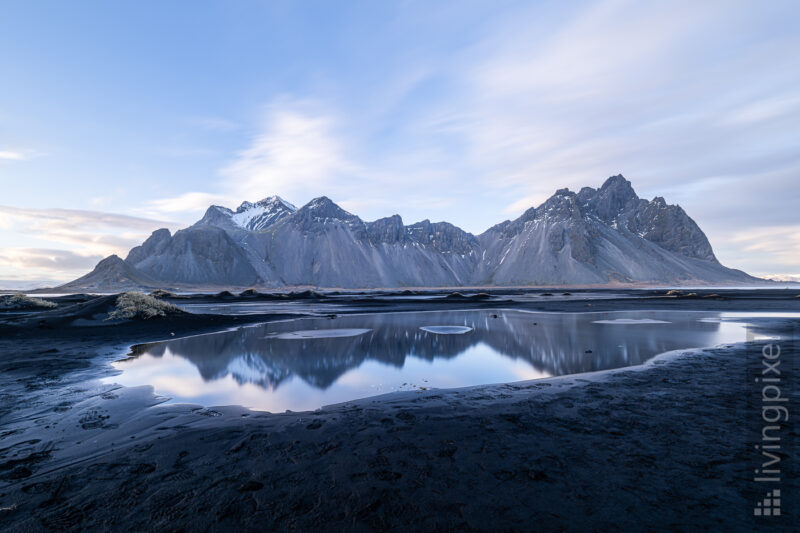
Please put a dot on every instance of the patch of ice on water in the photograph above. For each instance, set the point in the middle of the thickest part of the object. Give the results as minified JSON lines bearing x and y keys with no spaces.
{"x":321,"y":333}
{"x":631,"y":321}
{"x":447,"y":330}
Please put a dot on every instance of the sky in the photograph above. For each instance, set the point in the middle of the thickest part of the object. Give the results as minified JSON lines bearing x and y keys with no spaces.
{"x":119,"y":118}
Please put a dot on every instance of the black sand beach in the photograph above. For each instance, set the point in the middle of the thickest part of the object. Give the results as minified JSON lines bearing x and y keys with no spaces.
{"x":667,"y":446}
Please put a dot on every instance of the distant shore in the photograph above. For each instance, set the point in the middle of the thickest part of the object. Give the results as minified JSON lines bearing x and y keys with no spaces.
{"x":211,"y":289}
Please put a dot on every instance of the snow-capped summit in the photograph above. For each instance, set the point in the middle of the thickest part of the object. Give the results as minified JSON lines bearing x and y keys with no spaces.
{"x":259,"y":215}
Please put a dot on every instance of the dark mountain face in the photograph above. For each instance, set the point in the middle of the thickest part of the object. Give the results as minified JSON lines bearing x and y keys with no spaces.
{"x":599,"y":236}
{"x":595,"y":236}
{"x":112,"y":273}
{"x":198,"y":255}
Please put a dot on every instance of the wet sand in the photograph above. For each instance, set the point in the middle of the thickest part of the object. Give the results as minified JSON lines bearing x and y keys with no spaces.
{"x":663,"y":446}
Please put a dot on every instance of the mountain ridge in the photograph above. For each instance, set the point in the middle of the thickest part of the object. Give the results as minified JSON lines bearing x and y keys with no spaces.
{"x":592,"y":237}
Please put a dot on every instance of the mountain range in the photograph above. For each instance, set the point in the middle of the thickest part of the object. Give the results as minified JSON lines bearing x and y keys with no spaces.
{"x":593,"y":237}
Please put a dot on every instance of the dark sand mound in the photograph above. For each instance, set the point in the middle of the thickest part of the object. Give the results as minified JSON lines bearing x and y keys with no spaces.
{"x":101,"y":311}
{"x":19,"y":302}
{"x":161,"y":293}
{"x":306,"y":295}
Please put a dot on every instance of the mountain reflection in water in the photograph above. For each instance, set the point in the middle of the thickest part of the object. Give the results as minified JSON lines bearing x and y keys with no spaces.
{"x":264,"y":368}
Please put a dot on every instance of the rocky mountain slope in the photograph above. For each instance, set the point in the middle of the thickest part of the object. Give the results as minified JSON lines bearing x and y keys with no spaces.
{"x":595,"y":236}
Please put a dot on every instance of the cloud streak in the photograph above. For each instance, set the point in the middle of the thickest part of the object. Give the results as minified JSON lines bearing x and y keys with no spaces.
{"x":47,"y":259}
{"x":11,"y":155}
{"x":73,"y":240}
{"x":293,"y":152}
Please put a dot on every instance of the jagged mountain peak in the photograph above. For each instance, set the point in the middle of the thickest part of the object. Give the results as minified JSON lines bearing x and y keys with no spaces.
{"x":216,"y":215}
{"x":154,"y":244}
{"x":160,"y":234}
{"x":615,"y":195}
{"x":388,"y":229}
{"x":659,"y":201}
{"x":393,"y":219}
{"x":395,"y":222}
{"x":112,"y":273}
{"x":323,"y":207}
{"x":443,"y":237}
{"x":250,"y":216}
{"x":270,"y":202}
{"x":321,"y":214}
{"x":509,"y":228}
{"x":321,"y":203}
{"x":615,"y":182}
{"x":257,"y":216}
{"x":110,"y":262}
{"x":563,"y":204}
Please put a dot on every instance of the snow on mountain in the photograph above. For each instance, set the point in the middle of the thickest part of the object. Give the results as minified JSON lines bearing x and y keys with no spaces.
{"x":259,"y":215}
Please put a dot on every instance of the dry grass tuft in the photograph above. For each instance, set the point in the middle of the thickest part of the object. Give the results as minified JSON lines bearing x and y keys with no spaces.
{"x":139,"y":305}
{"x":21,"y":301}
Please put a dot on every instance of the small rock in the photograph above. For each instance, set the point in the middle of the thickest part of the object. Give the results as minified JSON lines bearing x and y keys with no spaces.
{"x":250,"y":486}
{"x":316,"y":424}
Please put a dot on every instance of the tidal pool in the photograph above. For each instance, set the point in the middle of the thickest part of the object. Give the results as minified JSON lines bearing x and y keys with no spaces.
{"x":306,"y":363}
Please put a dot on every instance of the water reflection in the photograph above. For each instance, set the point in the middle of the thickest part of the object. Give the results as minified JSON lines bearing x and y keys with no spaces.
{"x":286,"y":365}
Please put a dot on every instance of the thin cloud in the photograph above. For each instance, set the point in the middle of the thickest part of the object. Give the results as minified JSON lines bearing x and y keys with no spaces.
{"x":11,"y":155}
{"x":78,"y":217}
{"x":215,"y":124}
{"x":52,"y":260}
{"x":296,"y":153}
{"x":77,"y":239}
{"x":188,"y":202}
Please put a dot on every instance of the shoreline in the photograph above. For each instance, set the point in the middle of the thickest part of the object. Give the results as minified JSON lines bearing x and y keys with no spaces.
{"x":541,"y":454}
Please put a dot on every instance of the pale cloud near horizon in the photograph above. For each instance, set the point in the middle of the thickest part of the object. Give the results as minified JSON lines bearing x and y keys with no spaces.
{"x":47,"y":259}
{"x":12,"y":155}
{"x":780,"y":243}
{"x":30,"y":236}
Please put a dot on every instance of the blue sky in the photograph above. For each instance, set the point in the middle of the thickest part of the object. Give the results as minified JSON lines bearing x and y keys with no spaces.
{"x":117,"y":118}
